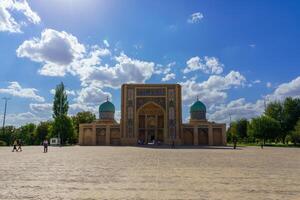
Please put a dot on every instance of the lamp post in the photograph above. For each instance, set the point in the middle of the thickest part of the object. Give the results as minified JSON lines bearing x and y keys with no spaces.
{"x":4,"y":115}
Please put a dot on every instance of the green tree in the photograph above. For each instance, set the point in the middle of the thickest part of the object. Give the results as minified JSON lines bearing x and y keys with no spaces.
{"x":295,"y":134}
{"x":232,"y":131}
{"x":26,"y":133}
{"x":241,"y":128}
{"x":82,"y":117}
{"x":8,"y":136}
{"x":79,"y":118}
{"x":291,"y":112}
{"x":42,"y":131}
{"x":60,"y":102}
{"x":264,"y":128}
{"x":275,"y":110}
{"x":62,"y":125}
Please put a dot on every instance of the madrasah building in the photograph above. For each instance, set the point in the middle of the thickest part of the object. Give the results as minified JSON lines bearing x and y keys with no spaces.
{"x":152,"y":113}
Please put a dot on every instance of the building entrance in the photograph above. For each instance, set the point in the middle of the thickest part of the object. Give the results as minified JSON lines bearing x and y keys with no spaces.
{"x":151,"y":123}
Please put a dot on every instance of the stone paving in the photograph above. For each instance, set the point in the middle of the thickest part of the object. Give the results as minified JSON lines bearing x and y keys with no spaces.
{"x":150,"y":173}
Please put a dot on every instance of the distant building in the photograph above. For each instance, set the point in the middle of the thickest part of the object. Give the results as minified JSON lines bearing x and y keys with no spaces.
{"x":151,"y":113}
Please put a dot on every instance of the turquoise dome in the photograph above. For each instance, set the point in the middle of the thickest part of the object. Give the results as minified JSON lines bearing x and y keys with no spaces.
{"x":107,"y":107}
{"x":198,"y":106}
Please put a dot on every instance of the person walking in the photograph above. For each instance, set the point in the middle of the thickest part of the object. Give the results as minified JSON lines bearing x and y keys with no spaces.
{"x":19,"y":142}
{"x":45,"y":144}
{"x":234,"y":142}
{"x":15,"y":146}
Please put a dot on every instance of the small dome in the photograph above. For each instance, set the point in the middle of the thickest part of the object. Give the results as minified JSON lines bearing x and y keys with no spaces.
{"x":198,"y":106}
{"x":107,"y":107}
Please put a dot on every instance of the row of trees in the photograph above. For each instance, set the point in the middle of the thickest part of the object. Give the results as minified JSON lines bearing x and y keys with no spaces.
{"x":279,"y":123}
{"x":63,"y":126}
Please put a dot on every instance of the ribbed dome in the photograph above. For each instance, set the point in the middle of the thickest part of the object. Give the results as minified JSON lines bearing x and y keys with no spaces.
{"x":107,"y":107}
{"x":197,"y":107}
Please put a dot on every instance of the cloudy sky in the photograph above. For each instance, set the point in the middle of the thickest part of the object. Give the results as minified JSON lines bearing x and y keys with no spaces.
{"x":234,"y":55}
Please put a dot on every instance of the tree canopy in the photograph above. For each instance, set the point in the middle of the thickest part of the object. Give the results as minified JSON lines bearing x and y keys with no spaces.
{"x":62,"y":126}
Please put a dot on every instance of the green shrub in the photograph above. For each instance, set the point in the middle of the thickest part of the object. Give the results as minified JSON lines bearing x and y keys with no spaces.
{"x":2,"y":143}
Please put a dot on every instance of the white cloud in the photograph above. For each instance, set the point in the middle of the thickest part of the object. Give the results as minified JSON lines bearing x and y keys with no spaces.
{"x":41,"y":109}
{"x":213,"y":90}
{"x":16,"y":90}
{"x":19,"y":119}
{"x":61,"y":53}
{"x":269,"y":84}
{"x":138,"y":46}
{"x":256,"y":81}
{"x":68,"y":92}
{"x":105,"y":42}
{"x":252,"y":45}
{"x":238,"y":109}
{"x":92,"y":95}
{"x":74,"y":108}
{"x":8,"y":21}
{"x":195,"y":18}
{"x":127,"y":70}
{"x":290,"y":89}
{"x":168,"y":77}
{"x":161,"y":69}
{"x":209,"y":65}
{"x":57,"y":50}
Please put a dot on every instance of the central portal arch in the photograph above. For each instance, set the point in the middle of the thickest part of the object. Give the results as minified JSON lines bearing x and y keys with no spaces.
{"x":151,"y":123}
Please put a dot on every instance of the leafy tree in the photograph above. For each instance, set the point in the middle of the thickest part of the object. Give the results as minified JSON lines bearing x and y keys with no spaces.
{"x":60,"y":102}
{"x":42,"y":131}
{"x":241,"y":128}
{"x":275,"y":110}
{"x":295,"y":135}
{"x":264,"y":128}
{"x":62,"y":124}
{"x":291,"y":112}
{"x":8,"y":135}
{"x":232,"y":131}
{"x":83,"y":117}
{"x":79,"y":118}
{"x":26,"y":133}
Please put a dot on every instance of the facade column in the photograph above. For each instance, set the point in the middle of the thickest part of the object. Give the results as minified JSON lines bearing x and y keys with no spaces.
{"x":146,"y":131}
{"x":81,"y":135}
{"x":224,"y":139}
{"x":166,"y":129}
{"x":155,"y":133}
{"x":196,"y":140}
{"x":210,"y":135}
{"x":107,"y":135}
{"x":94,"y":136}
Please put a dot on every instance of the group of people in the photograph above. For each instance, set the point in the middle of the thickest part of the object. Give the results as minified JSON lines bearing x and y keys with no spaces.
{"x":17,"y":145}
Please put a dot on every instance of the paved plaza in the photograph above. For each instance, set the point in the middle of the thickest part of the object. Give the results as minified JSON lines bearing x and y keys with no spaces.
{"x":150,"y":173}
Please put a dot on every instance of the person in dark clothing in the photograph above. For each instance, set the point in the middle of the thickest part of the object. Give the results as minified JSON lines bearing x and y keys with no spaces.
{"x":45,"y":144}
{"x":234,"y":142}
{"x":19,"y":142}
{"x":15,"y":146}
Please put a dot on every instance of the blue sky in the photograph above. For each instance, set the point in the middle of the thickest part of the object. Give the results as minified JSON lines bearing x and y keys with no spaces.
{"x":235,"y":55}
